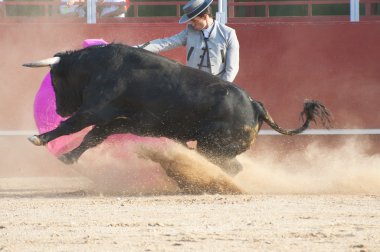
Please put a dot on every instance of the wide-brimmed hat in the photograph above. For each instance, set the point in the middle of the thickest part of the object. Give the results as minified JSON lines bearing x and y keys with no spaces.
{"x":193,"y":8}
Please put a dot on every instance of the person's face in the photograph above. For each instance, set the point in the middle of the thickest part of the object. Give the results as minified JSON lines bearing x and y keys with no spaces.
{"x":199,"y":23}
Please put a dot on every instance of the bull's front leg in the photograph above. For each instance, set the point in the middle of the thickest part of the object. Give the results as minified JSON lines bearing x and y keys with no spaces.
{"x":73,"y":124}
{"x":96,"y":136}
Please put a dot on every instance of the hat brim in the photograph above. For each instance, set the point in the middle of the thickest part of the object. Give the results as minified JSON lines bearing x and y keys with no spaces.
{"x":185,"y":18}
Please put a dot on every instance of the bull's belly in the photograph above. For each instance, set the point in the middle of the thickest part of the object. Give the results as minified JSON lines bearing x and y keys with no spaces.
{"x":220,"y":136}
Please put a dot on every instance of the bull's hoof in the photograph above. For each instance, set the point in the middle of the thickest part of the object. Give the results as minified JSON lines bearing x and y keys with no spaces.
{"x":36,"y":140}
{"x":67,"y":159}
{"x":232,"y":167}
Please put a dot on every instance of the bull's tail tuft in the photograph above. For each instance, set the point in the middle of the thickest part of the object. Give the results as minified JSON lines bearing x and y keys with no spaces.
{"x":312,"y":111}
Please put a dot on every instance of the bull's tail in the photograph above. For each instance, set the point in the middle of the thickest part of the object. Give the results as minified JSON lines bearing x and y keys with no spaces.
{"x":311,"y":112}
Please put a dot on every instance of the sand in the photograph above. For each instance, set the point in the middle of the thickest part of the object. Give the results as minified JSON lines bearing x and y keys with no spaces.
{"x":299,"y":202}
{"x":61,"y":218}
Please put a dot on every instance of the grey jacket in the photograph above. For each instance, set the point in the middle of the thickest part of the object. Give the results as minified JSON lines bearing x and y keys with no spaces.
{"x":223,"y":48}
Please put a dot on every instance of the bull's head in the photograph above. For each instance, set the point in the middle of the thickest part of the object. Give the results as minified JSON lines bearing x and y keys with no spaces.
{"x":43,"y":63}
{"x":67,"y":93}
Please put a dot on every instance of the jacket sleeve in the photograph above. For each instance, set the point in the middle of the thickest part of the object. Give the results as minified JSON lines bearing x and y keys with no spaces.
{"x":232,"y":58}
{"x":164,"y":44}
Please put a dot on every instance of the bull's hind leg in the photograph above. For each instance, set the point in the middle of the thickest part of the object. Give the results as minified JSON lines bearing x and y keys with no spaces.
{"x":229,"y":164}
{"x":221,"y":145}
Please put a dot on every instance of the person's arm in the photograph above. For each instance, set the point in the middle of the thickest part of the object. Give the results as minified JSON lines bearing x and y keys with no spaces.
{"x":232,"y":58}
{"x":160,"y":45}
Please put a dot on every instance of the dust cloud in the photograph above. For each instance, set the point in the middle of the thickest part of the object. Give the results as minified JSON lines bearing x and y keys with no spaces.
{"x":344,"y":169}
{"x":152,"y":166}
{"x":120,"y":170}
{"x":193,"y":173}
{"x":167,"y":167}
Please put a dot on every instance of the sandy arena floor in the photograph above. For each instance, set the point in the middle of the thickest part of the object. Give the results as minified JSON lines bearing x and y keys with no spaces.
{"x":63,"y":217}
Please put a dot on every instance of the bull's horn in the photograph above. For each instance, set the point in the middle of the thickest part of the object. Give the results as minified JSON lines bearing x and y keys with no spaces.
{"x":43,"y":63}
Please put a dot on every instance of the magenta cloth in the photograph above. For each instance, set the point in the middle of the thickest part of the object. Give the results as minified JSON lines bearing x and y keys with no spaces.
{"x":47,"y":119}
{"x":91,"y":42}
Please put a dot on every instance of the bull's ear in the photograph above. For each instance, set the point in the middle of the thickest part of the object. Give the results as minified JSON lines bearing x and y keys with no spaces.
{"x":218,"y":89}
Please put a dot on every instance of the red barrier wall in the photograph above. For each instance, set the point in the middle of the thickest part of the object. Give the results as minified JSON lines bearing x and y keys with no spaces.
{"x":281,"y":65}
{"x":337,"y":63}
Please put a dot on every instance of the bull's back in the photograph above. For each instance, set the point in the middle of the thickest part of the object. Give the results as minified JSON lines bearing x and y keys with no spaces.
{"x":163,"y":85}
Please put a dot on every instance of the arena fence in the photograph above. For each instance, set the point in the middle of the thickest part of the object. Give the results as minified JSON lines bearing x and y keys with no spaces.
{"x":238,"y":10}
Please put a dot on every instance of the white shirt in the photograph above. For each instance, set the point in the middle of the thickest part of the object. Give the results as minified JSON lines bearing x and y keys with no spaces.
{"x":207,"y":31}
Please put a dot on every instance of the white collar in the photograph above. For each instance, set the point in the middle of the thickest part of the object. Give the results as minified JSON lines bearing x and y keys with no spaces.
{"x":207,"y":31}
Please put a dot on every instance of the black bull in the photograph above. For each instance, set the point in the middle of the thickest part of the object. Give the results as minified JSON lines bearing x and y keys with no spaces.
{"x":121,"y":89}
